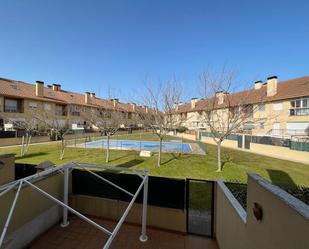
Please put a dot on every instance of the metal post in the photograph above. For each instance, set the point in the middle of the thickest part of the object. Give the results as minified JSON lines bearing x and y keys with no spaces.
{"x":8,"y":220}
{"x":65,"y":221}
{"x":144,"y":237}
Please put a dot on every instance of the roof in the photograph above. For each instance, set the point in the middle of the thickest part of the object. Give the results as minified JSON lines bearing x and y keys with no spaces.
{"x":19,"y":89}
{"x":289,"y":89}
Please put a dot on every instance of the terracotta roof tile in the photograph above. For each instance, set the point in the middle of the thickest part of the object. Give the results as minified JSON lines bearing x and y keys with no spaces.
{"x":19,"y":89}
{"x":288,"y":89}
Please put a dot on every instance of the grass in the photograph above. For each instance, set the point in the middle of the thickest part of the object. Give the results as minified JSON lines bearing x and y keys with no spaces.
{"x":236,"y":164}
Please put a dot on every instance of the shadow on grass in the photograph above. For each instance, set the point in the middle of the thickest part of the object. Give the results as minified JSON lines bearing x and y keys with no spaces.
{"x":32,"y":155}
{"x":127,"y":165}
{"x":118,"y":158}
{"x":174,"y":157}
{"x":226,"y":158}
{"x":281,"y":178}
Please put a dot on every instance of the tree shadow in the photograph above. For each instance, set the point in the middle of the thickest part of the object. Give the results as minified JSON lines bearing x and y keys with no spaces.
{"x":174,"y":157}
{"x":32,"y":155}
{"x":127,"y":165}
{"x":281,"y":178}
{"x":226,"y":158}
{"x":118,"y":158}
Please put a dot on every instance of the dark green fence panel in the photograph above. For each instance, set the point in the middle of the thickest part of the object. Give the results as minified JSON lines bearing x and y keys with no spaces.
{"x":302,"y":146}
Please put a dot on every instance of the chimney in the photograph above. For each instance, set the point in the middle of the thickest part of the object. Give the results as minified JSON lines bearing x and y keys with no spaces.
{"x":133,"y":106}
{"x":193,"y":102}
{"x":115,"y":101}
{"x":39,"y":88}
{"x":272,"y":83}
{"x":92,"y":95}
{"x":220,"y":96}
{"x":55,"y":87}
{"x":87,"y":97}
{"x":176,"y":106}
{"x":258,"y":84}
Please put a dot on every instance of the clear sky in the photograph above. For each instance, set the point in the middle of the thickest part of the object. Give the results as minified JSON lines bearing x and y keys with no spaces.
{"x":97,"y":45}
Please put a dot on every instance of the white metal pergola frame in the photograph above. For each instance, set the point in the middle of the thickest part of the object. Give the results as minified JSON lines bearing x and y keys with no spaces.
{"x":65,"y":169}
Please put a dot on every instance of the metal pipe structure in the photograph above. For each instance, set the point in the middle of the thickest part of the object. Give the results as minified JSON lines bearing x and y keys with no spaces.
{"x":123,"y":217}
{"x":65,"y":221}
{"x":8,"y":220}
{"x":109,"y":182}
{"x":69,"y":208}
{"x":8,"y":189}
{"x":66,"y":169}
{"x":143,"y":237}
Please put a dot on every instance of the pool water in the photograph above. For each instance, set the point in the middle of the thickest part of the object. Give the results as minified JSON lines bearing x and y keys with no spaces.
{"x":141,"y":145}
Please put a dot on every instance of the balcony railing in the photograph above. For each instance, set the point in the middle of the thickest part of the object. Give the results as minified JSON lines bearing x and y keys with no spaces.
{"x":60,"y":113}
{"x":299,"y":112}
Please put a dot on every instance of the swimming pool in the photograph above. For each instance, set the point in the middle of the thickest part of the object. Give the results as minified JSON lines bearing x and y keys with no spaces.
{"x":141,"y":145}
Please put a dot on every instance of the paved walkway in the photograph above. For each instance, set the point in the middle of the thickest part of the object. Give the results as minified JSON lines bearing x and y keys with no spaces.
{"x":81,"y":235}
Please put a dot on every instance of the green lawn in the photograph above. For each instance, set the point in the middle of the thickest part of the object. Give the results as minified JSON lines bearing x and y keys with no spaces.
{"x":236,"y":163}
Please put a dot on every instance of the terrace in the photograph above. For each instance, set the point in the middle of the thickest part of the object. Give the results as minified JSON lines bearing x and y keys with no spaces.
{"x":141,"y":211}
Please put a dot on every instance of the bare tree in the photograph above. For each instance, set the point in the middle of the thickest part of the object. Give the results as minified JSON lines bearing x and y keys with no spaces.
{"x":225,"y":113}
{"x":28,"y":125}
{"x":56,"y":126}
{"x":107,"y":119}
{"x":158,"y":109}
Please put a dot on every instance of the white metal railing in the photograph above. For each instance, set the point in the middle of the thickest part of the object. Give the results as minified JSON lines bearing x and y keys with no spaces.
{"x":65,"y":169}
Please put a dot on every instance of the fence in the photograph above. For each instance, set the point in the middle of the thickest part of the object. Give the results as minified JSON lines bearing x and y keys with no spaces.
{"x":23,"y":170}
{"x":268,"y":140}
{"x":209,"y":134}
{"x":163,"y":192}
{"x":302,"y":146}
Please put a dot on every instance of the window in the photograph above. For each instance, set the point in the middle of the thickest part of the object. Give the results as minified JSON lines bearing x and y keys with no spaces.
{"x":261,"y":107}
{"x":47,"y":107}
{"x":299,"y":107}
{"x":278,"y":106}
{"x":60,"y":110}
{"x":75,"y":110}
{"x":33,"y":105}
{"x":261,"y":125}
{"x":248,"y":126}
{"x":13,"y":105}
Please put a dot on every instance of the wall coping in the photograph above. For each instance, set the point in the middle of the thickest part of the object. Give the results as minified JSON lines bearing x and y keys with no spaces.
{"x":7,"y":155}
{"x":236,"y":205}
{"x":288,"y":199}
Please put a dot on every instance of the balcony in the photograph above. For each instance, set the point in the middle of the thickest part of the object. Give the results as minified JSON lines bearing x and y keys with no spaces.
{"x":101,"y":203}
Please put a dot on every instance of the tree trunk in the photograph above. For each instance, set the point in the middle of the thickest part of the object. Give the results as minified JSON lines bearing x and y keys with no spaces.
{"x":62,"y":148}
{"x":160,"y":152}
{"x":22,"y":146}
{"x":219,"y":157}
{"x":107,"y":150}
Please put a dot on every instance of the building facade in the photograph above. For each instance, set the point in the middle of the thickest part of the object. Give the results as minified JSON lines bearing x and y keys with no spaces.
{"x":20,"y":101}
{"x":278,"y":108}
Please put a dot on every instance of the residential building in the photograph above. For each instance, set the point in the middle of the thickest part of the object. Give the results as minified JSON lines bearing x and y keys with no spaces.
{"x":19,"y":100}
{"x":278,"y":108}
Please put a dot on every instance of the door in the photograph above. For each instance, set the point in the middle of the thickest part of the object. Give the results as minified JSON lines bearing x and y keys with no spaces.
{"x":239,"y":141}
{"x":200,"y":205}
{"x":247,"y":142}
{"x":276,"y":129}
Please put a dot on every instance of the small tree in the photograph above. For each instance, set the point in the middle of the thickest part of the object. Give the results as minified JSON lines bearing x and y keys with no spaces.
{"x":57,"y":127}
{"x":225,"y":113}
{"x":28,"y":125}
{"x":158,"y":107}
{"x":107,"y":119}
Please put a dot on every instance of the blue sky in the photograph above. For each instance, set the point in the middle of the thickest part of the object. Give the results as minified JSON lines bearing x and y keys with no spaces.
{"x":101,"y":45}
